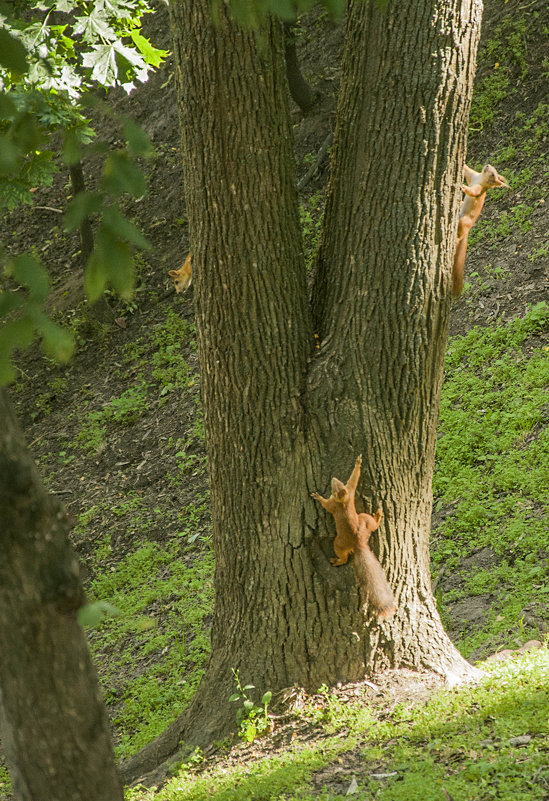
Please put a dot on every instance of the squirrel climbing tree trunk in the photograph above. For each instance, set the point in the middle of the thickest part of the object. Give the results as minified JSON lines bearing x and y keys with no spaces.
{"x":282,"y":417}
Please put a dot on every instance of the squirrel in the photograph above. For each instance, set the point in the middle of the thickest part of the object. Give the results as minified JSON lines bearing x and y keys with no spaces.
{"x":183,"y":276}
{"x":475,"y":195}
{"x":353,"y":532}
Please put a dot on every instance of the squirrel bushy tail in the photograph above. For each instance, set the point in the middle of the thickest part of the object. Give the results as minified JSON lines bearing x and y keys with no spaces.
{"x":370,"y":575}
{"x":457,"y":269}
{"x":352,"y":535}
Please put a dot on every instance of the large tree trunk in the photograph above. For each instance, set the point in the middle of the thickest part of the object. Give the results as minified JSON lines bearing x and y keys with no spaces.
{"x":53,"y":723}
{"x":281,"y":419}
{"x":381,"y":297}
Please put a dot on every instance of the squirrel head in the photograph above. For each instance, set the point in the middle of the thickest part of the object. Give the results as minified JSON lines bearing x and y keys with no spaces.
{"x":339,"y":490}
{"x":491,"y":178}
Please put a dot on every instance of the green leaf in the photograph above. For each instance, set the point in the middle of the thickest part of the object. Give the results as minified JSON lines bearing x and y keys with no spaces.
{"x":250,"y":733}
{"x":94,"y":28}
{"x":13,"y":55}
{"x":248,"y":705}
{"x":8,"y":108}
{"x":72,"y":148}
{"x":92,"y":614}
{"x":138,"y":141}
{"x":121,"y":174}
{"x":28,"y":271}
{"x":120,"y":226}
{"x":80,"y":207}
{"x":112,"y":259}
{"x":234,"y":697}
{"x":95,"y":276}
{"x":9,"y":154}
{"x":56,"y":341}
{"x":266,"y":699}
{"x":335,"y":8}
{"x":121,"y":270}
{"x":151,"y":55}
{"x":7,"y":372}
{"x":284,"y":9}
{"x":15,"y":334}
{"x":102,"y":62}
{"x":9,"y":301}
{"x":27,"y":134}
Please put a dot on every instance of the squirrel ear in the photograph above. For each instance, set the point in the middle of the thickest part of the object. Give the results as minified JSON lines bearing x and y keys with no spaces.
{"x":173,"y":273}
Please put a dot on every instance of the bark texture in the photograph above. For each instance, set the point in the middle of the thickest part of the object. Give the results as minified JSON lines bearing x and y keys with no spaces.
{"x":382,"y":293}
{"x":280,"y":418}
{"x":54,"y":727}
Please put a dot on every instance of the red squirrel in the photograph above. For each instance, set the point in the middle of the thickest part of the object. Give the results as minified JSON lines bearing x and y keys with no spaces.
{"x":183,"y":276}
{"x":352,"y":534}
{"x":475,"y":195}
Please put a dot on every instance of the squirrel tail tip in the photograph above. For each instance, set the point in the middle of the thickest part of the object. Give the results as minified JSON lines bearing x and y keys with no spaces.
{"x":386,"y":613}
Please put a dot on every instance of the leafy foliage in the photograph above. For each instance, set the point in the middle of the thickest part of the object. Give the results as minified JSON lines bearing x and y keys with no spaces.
{"x":48,"y":62}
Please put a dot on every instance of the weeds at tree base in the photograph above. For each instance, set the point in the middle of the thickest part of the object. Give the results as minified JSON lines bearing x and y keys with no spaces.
{"x":252,"y":720}
{"x":484,"y":741}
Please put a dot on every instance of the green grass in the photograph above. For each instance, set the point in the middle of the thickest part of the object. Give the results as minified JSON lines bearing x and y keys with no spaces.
{"x":502,"y":59}
{"x":461,"y":740}
{"x":492,"y":470}
{"x":156,"y":368}
{"x":310,"y":214}
{"x":158,"y":666}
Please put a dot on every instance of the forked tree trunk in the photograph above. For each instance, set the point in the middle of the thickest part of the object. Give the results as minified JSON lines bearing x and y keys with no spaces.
{"x":280,"y":418}
{"x":53,"y":723}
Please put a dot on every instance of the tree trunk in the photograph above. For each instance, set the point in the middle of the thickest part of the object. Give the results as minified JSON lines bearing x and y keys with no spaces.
{"x":281,"y":419}
{"x":86,"y":231}
{"x":301,"y":92}
{"x":54,"y":727}
{"x":382,"y":292}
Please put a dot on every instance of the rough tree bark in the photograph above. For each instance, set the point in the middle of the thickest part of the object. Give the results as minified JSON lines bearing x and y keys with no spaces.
{"x":54,"y":728}
{"x":381,"y":297}
{"x":280,"y":417}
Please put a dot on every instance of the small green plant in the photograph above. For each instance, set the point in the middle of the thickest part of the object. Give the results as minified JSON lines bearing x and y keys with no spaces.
{"x":125,"y":411}
{"x":502,"y":58}
{"x":539,"y":253}
{"x":253,"y":720}
{"x":5,"y":782}
{"x":310,"y":213}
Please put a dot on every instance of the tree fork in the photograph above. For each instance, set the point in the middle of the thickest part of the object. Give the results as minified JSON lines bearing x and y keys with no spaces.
{"x":279,"y":425}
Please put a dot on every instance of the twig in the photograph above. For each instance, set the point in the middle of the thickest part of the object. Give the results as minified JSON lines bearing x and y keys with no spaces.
{"x":317,"y":162}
